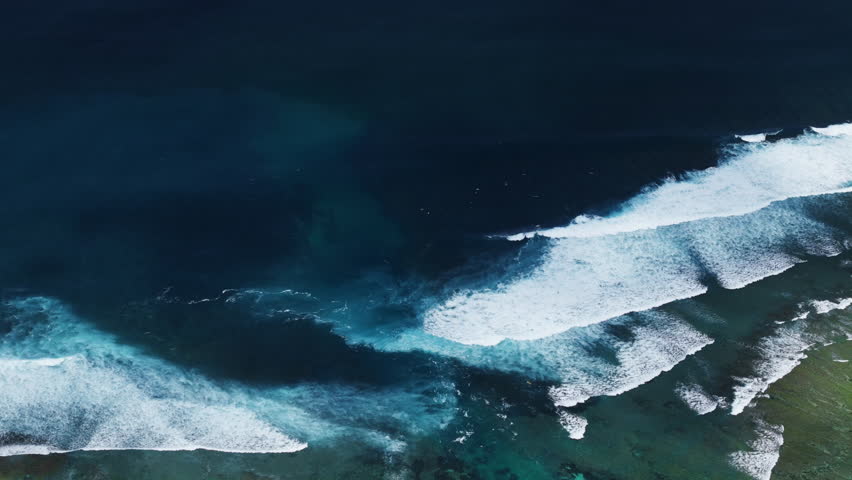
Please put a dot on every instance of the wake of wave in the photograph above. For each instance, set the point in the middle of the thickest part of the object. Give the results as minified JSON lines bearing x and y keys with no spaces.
{"x":782,"y":352}
{"x":66,"y":386}
{"x":737,"y":223}
{"x":751,"y":179}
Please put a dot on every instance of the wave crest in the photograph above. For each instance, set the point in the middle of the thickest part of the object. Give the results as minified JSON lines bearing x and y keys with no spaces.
{"x":733,"y":224}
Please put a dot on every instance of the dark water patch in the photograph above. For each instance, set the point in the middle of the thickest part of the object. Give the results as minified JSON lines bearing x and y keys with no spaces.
{"x":274,"y":347}
{"x":590,"y":68}
{"x":444,"y":183}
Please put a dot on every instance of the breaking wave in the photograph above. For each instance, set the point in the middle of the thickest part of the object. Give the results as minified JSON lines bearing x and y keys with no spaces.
{"x":765,"y":450}
{"x":698,"y":400}
{"x":599,"y":360}
{"x":733,"y":225}
{"x":66,"y":386}
{"x":780,"y":353}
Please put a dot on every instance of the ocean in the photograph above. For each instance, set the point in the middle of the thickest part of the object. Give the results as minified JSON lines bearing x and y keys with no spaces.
{"x":477,"y":240}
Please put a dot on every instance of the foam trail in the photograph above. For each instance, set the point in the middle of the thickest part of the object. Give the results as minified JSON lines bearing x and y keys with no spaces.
{"x":757,"y":137}
{"x":753,"y":178}
{"x":753,"y":138}
{"x":581,"y":281}
{"x":765,"y":452}
{"x":825,"y":306}
{"x":66,"y":386}
{"x":575,"y":425}
{"x":697,"y":399}
{"x":585,"y":362}
{"x":780,"y":354}
{"x":834,"y":130}
{"x":101,"y":396}
{"x":736,"y":223}
{"x":649,"y":354}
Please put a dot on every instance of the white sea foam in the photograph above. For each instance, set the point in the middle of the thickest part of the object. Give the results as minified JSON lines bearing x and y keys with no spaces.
{"x":40,"y":362}
{"x":764,"y":454}
{"x":753,"y":178}
{"x":26,"y":449}
{"x":752,"y":138}
{"x":757,"y":137}
{"x":825,"y":306}
{"x":99,"y":395}
{"x":650,"y":353}
{"x":465,"y":434}
{"x":780,"y":354}
{"x":834,"y":130}
{"x":586,"y":362}
{"x":580,"y":282}
{"x":48,"y":402}
{"x":697,"y":399}
{"x":66,"y":386}
{"x":575,"y":425}
{"x":730,"y":222}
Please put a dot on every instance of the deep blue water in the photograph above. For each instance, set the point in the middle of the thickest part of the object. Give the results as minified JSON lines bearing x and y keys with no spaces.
{"x":298,"y":211}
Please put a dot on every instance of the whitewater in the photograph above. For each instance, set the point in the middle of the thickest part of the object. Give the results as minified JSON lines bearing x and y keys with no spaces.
{"x":730,"y":225}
